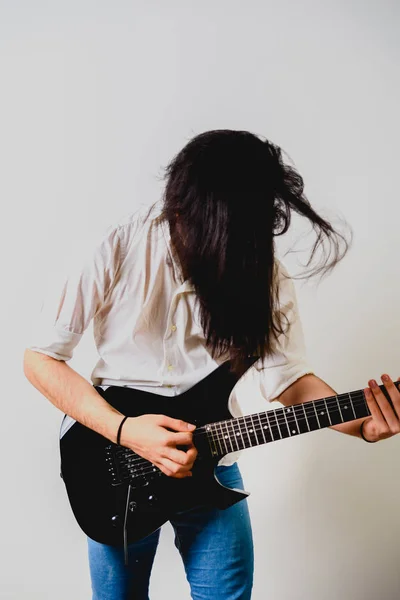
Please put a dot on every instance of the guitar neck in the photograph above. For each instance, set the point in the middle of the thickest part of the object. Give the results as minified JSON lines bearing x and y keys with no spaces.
{"x":289,"y":421}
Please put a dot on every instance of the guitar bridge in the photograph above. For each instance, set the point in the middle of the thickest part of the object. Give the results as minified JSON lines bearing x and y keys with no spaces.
{"x":125,"y":466}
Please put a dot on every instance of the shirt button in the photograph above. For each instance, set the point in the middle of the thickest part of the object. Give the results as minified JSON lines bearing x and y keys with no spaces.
{"x":170,"y":367}
{"x":173,"y":328}
{"x":169,"y":386}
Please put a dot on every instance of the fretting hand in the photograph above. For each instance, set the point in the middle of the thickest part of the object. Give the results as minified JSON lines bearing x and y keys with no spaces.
{"x":384,"y":421}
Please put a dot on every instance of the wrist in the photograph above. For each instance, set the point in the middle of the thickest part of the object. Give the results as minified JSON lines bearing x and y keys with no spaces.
{"x":127,"y":431}
{"x":122,"y":422}
{"x":112,"y":424}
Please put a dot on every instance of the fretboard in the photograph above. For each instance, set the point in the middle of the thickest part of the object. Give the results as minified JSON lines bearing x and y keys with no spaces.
{"x":273,"y":425}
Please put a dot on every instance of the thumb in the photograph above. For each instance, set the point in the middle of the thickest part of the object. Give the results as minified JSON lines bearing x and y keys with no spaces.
{"x":177,"y":424}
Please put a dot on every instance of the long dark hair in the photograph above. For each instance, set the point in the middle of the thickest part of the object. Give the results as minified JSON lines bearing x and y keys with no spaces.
{"x":227,"y":195}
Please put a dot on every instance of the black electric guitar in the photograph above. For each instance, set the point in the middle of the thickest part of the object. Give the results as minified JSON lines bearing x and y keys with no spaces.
{"x":119,"y":497}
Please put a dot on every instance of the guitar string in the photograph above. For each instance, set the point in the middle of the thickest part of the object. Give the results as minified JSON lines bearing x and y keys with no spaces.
{"x":266,"y":417}
{"x":334,"y":402}
{"x":356,"y":397}
{"x":280,"y":418}
{"x":134,"y":460}
{"x":329,"y":401}
{"x":148,"y":467}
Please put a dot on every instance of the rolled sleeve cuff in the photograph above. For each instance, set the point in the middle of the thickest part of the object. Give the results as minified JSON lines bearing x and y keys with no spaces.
{"x":54,"y":342}
{"x":272,"y":385}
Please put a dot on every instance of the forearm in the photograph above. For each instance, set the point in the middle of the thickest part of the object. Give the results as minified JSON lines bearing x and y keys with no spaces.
{"x":311,"y":387}
{"x":71,"y":393}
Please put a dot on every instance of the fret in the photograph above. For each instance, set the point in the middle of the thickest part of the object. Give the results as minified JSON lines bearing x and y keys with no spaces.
{"x":237,"y":434}
{"x":295,"y":418}
{"x":255,"y":430}
{"x":211,"y":440}
{"x":228,"y":437}
{"x":327,"y":412}
{"x":233,"y":434}
{"x":250,"y":429}
{"x":312,"y":418}
{"x":340,"y":411}
{"x":275,"y":431}
{"x":261,"y":428}
{"x":241,"y":439}
{"x":320,"y":409}
{"x":301,"y":418}
{"x":222,"y":437}
{"x":352,"y":410}
{"x":284,"y":411}
{"x":316,"y":414}
{"x":351,"y":404}
{"x":218,"y":439}
{"x":346,"y":408}
{"x":260,"y":433}
{"x":359,"y":404}
{"x":291,"y":420}
{"x":280,"y":417}
{"x":333,"y":408}
{"x":246,"y":431}
{"x":269,"y":434}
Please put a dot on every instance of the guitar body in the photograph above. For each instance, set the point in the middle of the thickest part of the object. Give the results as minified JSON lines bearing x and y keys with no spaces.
{"x":119,"y":497}
{"x":99,"y":475}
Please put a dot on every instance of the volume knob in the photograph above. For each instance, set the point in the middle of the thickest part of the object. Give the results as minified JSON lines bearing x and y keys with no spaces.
{"x":152,"y":500}
{"x":115,"y":520}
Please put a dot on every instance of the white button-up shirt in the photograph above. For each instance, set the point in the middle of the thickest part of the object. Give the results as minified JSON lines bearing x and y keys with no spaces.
{"x":145,"y":321}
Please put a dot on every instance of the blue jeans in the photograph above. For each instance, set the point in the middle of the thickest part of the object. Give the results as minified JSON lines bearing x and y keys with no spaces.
{"x":216,"y":547}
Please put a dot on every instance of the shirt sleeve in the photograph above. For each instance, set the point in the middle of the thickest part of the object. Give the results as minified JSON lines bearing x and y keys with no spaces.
{"x":288,"y":362}
{"x":74,"y":296}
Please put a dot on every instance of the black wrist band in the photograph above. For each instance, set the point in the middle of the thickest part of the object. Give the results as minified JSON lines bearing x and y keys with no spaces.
{"x":362,"y":434}
{"x":119,"y":430}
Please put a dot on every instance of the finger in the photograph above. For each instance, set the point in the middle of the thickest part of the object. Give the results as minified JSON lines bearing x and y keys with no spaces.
{"x":387,"y":411}
{"x":374,"y":409}
{"x":178,"y":456}
{"x":161,"y":466}
{"x":176,"y":424}
{"x":395,"y":398}
{"x":191,"y":455}
{"x":180,"y":439}
{"x":175,"y":469}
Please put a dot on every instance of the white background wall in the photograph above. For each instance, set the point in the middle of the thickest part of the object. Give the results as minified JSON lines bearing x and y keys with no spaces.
{"x":95,"y":98}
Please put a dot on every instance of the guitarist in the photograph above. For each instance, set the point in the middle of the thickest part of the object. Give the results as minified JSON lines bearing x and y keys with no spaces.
{"x":174,"y":291}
